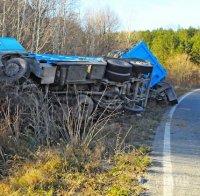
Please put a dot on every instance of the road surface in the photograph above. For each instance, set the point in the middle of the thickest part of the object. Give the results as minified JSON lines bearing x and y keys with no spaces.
{"x":176,"y":151}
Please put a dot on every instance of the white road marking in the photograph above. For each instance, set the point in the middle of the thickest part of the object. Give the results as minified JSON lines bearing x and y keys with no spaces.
{"x":168,"y":182}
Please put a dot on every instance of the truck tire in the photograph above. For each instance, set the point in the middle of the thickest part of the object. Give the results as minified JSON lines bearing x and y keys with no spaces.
{"x":14,"y":69}
{"x":117,"y":77}
{"x":142,"y":69}
{"x":119,"y":66}
{"x":83,"y":107}
{"x":134,"y":59}
{"x":140,"y":66}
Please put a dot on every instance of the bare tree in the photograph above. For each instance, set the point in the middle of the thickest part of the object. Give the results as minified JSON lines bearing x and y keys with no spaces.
{"x":99,"y":28}
{"x":55,"y":26}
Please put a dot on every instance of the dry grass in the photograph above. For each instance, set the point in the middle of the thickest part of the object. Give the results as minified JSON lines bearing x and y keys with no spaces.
{"x":59,"y":154}
{"x":141,"y":128}
{"x":182,"y":72}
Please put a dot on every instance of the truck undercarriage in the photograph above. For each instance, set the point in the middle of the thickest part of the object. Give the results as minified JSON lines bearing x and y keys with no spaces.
{"x":110,"y":83}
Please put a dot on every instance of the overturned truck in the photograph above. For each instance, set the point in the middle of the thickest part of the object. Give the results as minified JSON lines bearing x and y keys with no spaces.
{"x":125,"y":82}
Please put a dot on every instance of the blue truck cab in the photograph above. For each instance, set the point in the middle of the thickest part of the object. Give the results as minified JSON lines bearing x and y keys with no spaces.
{"x":11,"y":45}
{"x":13,"y":65}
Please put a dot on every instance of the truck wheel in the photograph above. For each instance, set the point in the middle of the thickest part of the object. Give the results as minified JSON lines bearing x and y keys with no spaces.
{"x":14,"y":69}
{"x":119,"y":66}
{"x":140,"y":66}
{"x":134,"y":59}
{"x":117,"y":77}
{"x":84,"y":107}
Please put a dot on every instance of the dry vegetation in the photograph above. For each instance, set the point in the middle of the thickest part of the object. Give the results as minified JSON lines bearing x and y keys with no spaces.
{"x":183,"y":72}
{"x":58,"y":157}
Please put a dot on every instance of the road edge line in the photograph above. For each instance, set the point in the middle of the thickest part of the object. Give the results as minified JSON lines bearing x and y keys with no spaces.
{"x":168,"y":182}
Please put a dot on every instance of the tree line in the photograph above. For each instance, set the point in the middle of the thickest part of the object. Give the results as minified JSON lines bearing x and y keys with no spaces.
{"x":56,"y":26}
{"x":167,"y":43}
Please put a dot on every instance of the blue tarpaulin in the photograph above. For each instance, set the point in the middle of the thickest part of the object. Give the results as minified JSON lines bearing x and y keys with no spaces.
{"x":142,"y":51}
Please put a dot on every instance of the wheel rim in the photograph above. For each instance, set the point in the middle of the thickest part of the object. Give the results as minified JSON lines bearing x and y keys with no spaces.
{"x":84,"y":108}
{"x":12,"y":69}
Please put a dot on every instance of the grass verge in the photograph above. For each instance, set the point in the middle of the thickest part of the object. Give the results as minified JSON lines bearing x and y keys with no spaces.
{"x":77,"y":171}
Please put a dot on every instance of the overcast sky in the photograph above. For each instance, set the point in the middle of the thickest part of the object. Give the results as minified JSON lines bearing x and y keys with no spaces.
{"x":150,"y":14}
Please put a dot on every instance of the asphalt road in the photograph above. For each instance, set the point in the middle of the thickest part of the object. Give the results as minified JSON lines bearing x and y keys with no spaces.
{"x":176,"y":151}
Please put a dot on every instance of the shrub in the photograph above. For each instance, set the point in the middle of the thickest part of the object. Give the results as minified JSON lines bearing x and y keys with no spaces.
{"x":182,"y":71}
